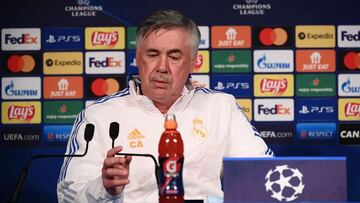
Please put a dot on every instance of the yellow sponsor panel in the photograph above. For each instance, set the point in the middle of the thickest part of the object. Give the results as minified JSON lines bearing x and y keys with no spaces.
{"x":21,"y":112}
{"x":56,"y":63}
{"x":202,"y":62}
{"x":274,"y":85}
{"x":349,"y":109}
{"x":315,"y":36}
{"x":104,"y":38}
{"x":246,"y":105}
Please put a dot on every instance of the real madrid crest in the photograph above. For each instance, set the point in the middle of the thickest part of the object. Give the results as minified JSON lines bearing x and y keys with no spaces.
{"x":198,"y":130}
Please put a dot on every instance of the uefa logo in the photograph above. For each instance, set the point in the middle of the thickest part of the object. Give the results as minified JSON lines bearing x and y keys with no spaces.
{"x":284,"y":183}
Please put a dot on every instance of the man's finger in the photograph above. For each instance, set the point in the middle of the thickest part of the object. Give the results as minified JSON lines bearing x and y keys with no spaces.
{"x":114,"y":150}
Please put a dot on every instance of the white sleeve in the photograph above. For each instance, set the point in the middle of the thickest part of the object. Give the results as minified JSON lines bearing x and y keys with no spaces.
{"x":80,"y":177}
{"x":245,"y":140}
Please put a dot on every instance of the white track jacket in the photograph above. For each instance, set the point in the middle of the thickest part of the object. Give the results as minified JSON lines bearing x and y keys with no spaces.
{"x":212,"y":127}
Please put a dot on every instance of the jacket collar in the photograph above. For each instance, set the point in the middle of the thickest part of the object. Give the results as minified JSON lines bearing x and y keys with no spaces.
{"x":148,"y":105}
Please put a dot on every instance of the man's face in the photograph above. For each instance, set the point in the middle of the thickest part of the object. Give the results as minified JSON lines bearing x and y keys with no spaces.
{"x":165,"y":60}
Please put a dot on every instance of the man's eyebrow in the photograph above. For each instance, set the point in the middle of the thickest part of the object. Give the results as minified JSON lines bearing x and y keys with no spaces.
{"x":174,"y":51}
{"x":152,"y":50}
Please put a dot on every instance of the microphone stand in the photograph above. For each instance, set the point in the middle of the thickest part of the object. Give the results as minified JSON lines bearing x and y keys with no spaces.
{"x":89,"y":132}
{"x":157,"y":167}
{"x":114,"y":133}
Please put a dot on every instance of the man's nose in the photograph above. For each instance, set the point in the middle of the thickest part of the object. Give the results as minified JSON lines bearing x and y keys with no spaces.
{"x":163,"y":65}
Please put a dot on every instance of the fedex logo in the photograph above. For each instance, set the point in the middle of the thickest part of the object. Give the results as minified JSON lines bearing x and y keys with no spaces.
{"x":109,"y":62}
{"x":274,"y":110}
{"x":24,"y":39}
{"x":277,"y":109}
{"x":348,"y":36}
{"x":20,"y":39}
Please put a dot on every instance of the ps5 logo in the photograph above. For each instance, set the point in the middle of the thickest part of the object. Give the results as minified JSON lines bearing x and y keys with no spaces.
{"x":63,"y":38}
{"x":316,"y":109}
{"x":232,"y":85}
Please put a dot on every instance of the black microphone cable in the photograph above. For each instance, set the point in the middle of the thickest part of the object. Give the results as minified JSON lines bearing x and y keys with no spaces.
{"x":88,"y":135}
{"x":114,"y":133}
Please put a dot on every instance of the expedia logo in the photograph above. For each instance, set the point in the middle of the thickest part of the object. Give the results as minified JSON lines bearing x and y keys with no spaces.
{"x":274,"y":109}
{"x":348,"y":36}
{"x":349,"y":134}
{"x":315,"y":36}
{"x":63,"y":63}
{"x":105,"y":38}
{"x":20,"y":39}
{"x":349,"y":84}
{"x":105,"y":62}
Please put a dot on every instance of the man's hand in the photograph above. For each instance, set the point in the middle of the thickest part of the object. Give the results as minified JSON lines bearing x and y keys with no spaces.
{"x":115,"y":171}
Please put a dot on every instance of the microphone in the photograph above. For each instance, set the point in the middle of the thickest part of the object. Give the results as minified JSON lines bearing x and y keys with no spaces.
{"x":88,"y":135}
{"x":114,"y":133}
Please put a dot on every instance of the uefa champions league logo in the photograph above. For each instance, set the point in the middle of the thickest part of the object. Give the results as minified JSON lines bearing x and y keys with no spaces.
{"x":284,"y":183}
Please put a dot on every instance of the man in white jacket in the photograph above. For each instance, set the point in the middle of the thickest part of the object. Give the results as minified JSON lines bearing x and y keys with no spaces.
{"x":211,"y":124}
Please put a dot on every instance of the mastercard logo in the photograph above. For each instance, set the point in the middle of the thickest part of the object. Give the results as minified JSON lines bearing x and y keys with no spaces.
{"x":352,"y":60}
{"x":101,"y":87}
{"x":24,"y":63}
{"x":270,"y":36}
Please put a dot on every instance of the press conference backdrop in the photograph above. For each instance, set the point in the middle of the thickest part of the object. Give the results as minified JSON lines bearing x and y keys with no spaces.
{"x":294,"y":67}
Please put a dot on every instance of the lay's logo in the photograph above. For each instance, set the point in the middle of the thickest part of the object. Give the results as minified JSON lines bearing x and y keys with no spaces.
{"x":352,"y":109}
{"x":349,"y":109}
{"x":273,"y":85}
{"x":105,"y":38}
{"x":21,"y":112}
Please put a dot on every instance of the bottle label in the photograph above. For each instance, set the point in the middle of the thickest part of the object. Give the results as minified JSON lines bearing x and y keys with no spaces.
{"x":171,"y":176}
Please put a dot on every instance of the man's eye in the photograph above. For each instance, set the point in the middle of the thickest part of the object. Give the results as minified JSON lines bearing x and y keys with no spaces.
{"x":152,"y":55}
{"x":175,"y":58}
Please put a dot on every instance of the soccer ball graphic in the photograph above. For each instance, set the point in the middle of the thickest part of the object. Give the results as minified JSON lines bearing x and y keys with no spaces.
{"x":284,"y":183}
